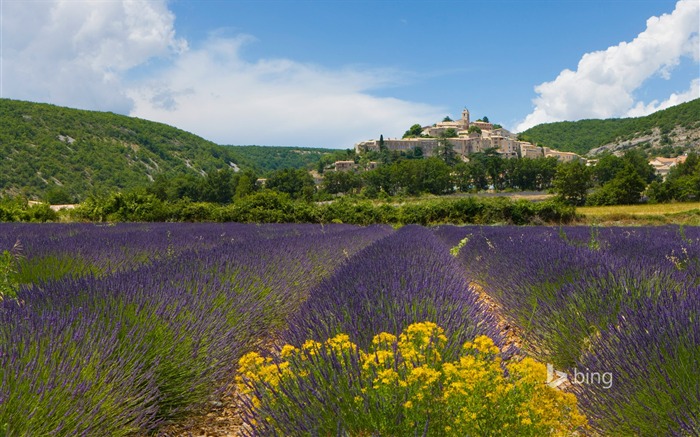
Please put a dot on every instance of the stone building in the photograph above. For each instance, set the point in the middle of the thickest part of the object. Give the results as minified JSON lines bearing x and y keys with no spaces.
{"x":466,"y":143}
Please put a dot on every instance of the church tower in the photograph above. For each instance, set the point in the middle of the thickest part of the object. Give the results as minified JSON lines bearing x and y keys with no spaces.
{"x":465,"y":118}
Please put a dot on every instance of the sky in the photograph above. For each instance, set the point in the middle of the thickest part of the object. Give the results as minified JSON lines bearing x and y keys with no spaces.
{"x":331,"y":73}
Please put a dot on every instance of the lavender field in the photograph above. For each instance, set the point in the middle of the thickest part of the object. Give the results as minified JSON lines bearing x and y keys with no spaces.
{"x":116,"y":330}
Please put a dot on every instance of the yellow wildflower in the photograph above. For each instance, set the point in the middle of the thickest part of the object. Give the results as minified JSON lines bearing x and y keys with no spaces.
{"x":287,"y":351}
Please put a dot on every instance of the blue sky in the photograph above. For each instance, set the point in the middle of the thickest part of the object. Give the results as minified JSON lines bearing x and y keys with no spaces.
{"x":331,"y":73}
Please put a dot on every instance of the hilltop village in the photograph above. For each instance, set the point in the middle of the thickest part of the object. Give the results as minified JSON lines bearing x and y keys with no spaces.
{"x":466,"y":137}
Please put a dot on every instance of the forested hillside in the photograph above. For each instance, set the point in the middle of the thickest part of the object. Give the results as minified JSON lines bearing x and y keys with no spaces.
{"x":265,"y":159}
{"x":672,"y":129}
{"x":59,"y":154}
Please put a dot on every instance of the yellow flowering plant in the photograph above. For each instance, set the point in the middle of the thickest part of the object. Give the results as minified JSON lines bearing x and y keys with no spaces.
{"x":401,"y":386}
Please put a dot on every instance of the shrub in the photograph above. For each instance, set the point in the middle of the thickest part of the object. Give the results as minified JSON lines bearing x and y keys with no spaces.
{"x":401,"y":386}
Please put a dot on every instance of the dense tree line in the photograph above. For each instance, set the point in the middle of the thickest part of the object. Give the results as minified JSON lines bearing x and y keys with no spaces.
{"x":627,"y":180}
{"x":268,"y":206}
{"x":682,"y":183}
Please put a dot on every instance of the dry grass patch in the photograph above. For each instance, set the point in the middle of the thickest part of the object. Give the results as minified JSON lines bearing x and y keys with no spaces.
{"x":634,"y":210}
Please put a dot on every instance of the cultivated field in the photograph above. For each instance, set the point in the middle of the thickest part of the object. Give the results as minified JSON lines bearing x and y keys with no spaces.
{"x":347,"y":330}
{"x":646,"y":209}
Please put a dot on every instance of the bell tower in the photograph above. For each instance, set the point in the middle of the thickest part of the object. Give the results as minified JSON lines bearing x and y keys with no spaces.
{"x":465,"y":118}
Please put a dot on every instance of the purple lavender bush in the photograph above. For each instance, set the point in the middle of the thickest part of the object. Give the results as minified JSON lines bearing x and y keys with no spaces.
{"x":652,"y":356}
{"x":129,"y":348}
{"x":405,"y":278}
{"x":561,"y":286}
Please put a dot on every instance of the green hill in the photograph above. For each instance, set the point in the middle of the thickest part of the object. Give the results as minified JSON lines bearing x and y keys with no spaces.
{"x":677,"y":126}
{"x":266,"y":159}
{"x":52,"y":151}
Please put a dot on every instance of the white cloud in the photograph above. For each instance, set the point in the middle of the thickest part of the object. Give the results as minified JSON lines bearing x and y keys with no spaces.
{"x":88,"y":54}
{"x":75,"y":53}
{"x":215,"y":93}
{"x":603,"y":85}
{"x":691,"y":93}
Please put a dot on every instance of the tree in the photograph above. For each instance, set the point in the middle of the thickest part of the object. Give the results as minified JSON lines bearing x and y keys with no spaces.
{"x":296,"y":183}
{"x":641,"y":165}
{"x":217,"y":186}
{"x":436,"y":176}
{"x":414,"y":131}
{"x":335,"y":182}
{"x":624,"y":189}
{"x":572,"y":181}
{"x":682,"y":182}
{"x":445,"y":150}
{"x":449,"y":133}
{"x":485,"y":119}
{"x":57,"y":195}
{"x":244,"y":184}
{"x":472,"y":129}
{"x":447,"y":118}
{"x":607,"y":167}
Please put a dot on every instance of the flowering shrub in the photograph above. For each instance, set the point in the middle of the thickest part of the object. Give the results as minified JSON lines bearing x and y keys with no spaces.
{"x":404,"y":278}
{"x":154,"y":323}
{"x":401,"y":386}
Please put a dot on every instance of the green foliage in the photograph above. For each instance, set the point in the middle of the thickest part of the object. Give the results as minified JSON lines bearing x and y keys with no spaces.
{"x":266,"y":159}
{"x":682,"y":183}
{"x":61,"y":154}
{"x":445,"y":150}
{"x":268,"y":206}
{"x":572,"y":182}
{"x":607,"y":167}
{"x":335,"y":182}
{"x":400,"y":387}
{"x":624,"y":189}
{"x":622,"y":180}
{"x":411,"y":177}
{"x":473,"y":129}
{"x":297,"y":183}
{"x":414,"y":131}
{"x":450,"y":133}
{"x":8,"y":273}
{"x":582,"y":136}
{"x":18,"y":209}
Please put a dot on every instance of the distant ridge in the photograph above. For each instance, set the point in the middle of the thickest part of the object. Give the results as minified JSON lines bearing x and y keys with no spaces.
{"x":676,"y":127}
{"x":265,"y":159}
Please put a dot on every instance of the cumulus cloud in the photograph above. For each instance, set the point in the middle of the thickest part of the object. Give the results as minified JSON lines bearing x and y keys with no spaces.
{"x":214,"y":92}
{"x":75,"y":53}
{"x":674,"y":99}
{"x":125,"y":57}
{"x":604,"y":83}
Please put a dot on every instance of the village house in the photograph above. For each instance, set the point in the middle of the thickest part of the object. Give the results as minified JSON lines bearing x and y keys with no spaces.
{"x":466,"y":143}
{"x":663,"y":165}
{"x":344,"y":165}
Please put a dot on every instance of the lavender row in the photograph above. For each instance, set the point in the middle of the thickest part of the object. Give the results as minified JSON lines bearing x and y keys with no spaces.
{"x":651,"y":357}
{"x":562,"y":289}
{"x":405,"y":278}
{"x":609,"y":301}
{"x":124,"y":351}
{"x":50,"y":251}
